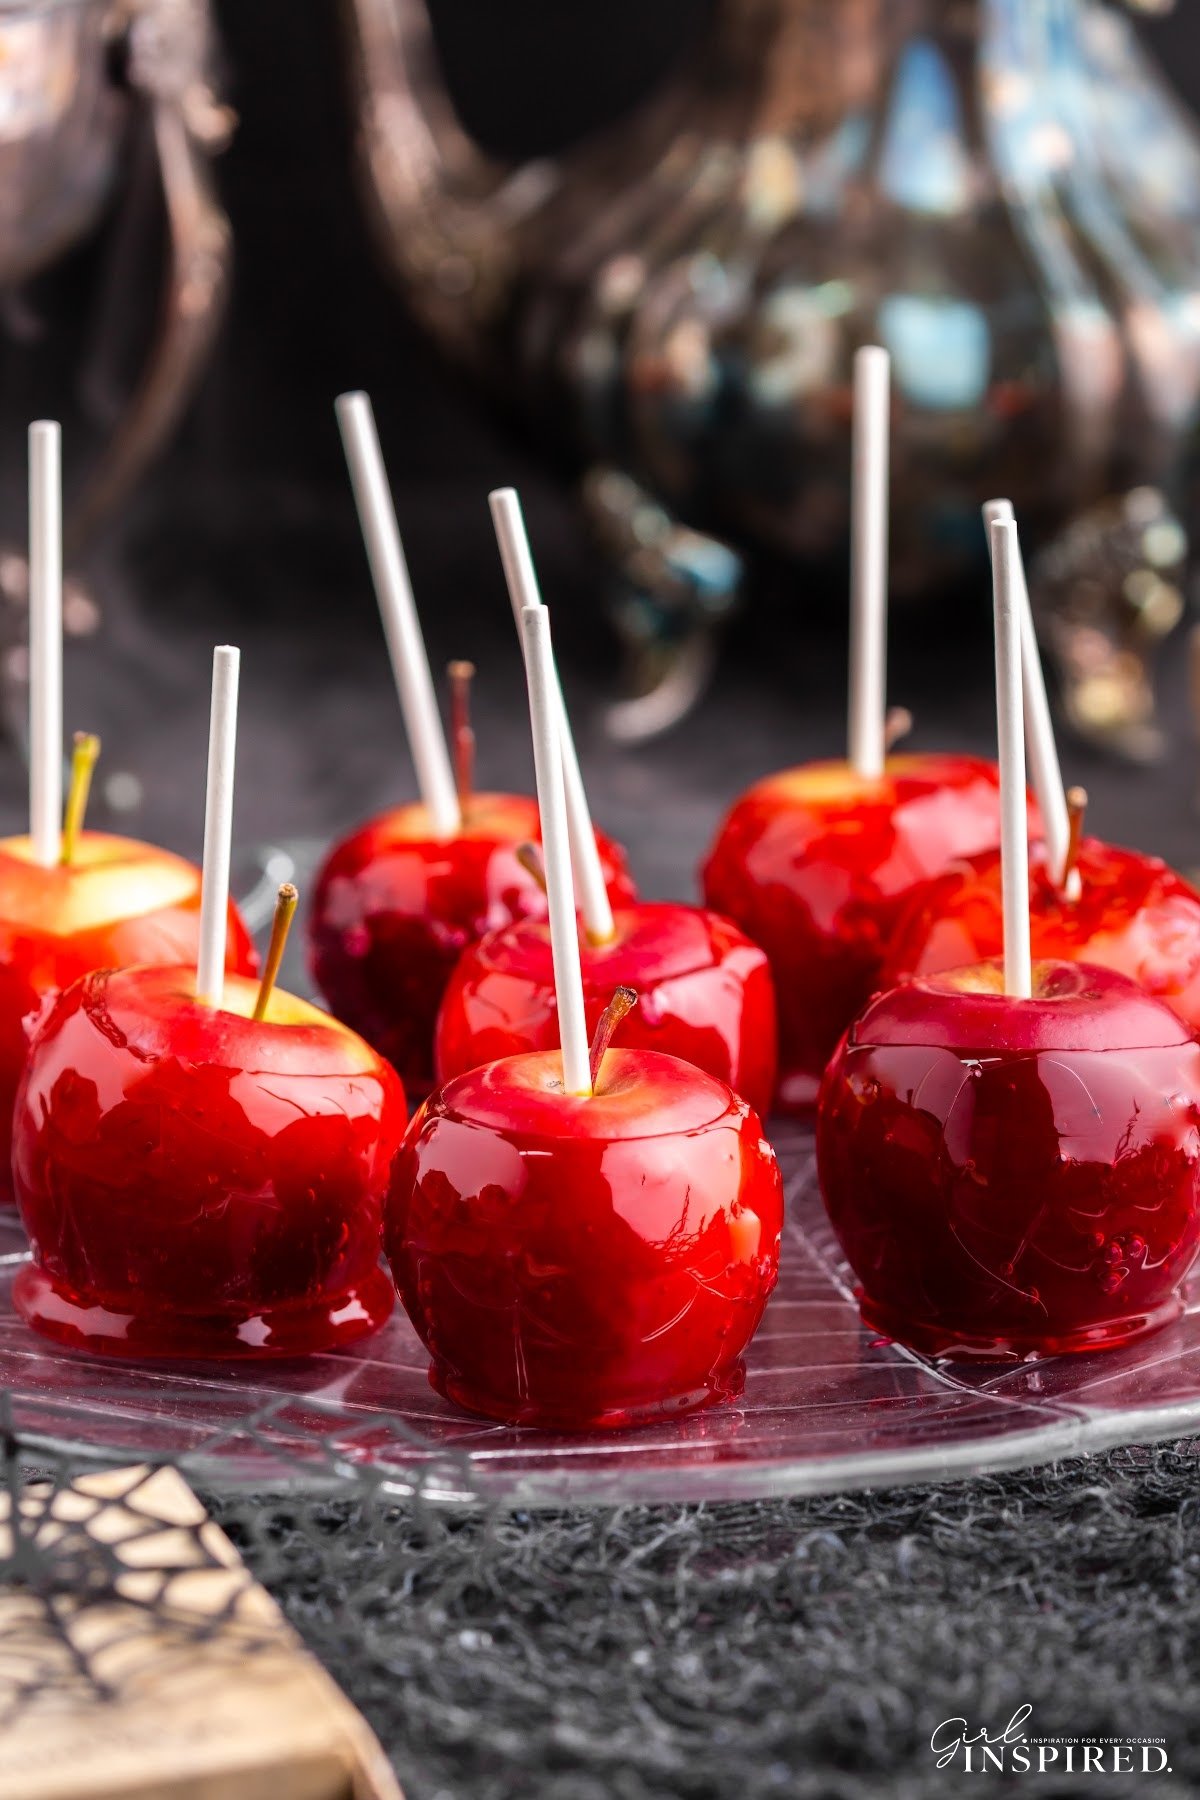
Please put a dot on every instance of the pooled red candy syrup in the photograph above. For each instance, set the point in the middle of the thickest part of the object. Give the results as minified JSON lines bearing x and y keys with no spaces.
{"x":1130,"y":913}
{"x":816,"y":864}
{"x":117,"y":902}
{"x":1011,"y":1178}
{"x":704,"y":991}
{"x":585,"y":1262}
{"x":198,"y":1184}
{"x":394,"y":908}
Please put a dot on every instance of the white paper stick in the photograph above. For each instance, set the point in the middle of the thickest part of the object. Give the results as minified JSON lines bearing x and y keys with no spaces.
{"x":401,"y":626}
{"x":218,"y":826}
{"x":1040,"y":746}
{"x":1014,"y":833}
{"x":556,"y":849}
{"x":45,"y":641}
{"x":869,"y":561}
{"x":523,"y":591}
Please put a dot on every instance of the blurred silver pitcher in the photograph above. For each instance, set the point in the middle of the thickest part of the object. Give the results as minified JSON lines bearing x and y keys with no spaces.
{"x":73,"y":73}
{"x":1002,"y":191}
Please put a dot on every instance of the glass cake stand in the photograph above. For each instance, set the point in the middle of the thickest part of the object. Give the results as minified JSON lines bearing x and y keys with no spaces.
{"x":827,"y":1406}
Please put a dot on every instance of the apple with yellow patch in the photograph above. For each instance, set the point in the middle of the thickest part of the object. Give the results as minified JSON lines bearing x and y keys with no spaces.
{"x":199,"y":1181}
{"x":114,"y":902}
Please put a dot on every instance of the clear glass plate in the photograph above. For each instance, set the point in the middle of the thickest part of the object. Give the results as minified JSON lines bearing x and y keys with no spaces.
{"x":827,"y":1406}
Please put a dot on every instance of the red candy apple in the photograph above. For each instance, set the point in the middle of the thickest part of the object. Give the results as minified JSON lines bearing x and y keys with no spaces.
{"x":585,"y":1261}
{"x":394,"y":907}
{"x":196,"y":1182}
{"x":1011,"y":1177}
{"x":816,"y":864}
{"x":116,"y":902}
{"x":1127,"y":912}
{"x":704,"y":994}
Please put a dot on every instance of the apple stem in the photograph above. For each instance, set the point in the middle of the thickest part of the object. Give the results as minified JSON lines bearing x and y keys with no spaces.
{"x":897,"y":725}
{"x":530,"y":859}
{"x":462,"y":737}
{"x":281,"y":924}
{"x":623,"y":1001}
{"x":869,"y":560}
{"x":83,"y":761}
{"x":1077,"y":802}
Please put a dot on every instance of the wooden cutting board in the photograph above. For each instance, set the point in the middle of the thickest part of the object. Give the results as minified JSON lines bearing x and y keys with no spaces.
{"x":139,"y":1660}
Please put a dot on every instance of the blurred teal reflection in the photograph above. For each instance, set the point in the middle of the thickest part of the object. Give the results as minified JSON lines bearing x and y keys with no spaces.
{"x":941,"y":352}
{"x":924,"y":164}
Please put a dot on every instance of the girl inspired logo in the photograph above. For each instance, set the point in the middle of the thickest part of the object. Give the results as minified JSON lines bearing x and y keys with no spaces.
{"x":1015,"y":1751}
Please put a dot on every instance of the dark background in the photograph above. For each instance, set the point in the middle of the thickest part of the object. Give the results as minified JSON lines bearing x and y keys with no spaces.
{"x":246,"y":528}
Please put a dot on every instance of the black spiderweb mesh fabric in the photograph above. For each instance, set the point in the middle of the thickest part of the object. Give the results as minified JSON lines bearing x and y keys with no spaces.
{"x":800,"y":1648}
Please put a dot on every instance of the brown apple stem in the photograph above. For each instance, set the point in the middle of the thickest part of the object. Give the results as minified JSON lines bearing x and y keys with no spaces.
{"x":281,"y":924}
{"x":897,"y":725}
{"x":1077,"y":801}
{"x":622,"y":1002}
{"x":530,"y":859}
{"x":83,"y":761}
{"x":462,"y":737}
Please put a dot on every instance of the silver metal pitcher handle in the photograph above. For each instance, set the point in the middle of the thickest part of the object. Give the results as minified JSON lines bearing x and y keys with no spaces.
{"x":168,"y":44}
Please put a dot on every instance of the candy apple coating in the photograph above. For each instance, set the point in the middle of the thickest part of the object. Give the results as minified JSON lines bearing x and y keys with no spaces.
{"x":582,"y":1262}
{"x":1131,"y":913}
{"x":1014,"y":1177}
{"x":117,"y":902}
{"x":704,"y":991}
{"x":815,"y":865}
{"x":195,"y":1182}
{"x":394,"y":908}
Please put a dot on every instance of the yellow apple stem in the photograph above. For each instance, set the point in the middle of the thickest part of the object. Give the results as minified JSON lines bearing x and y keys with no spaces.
{"x":83,"y":761}
{"x":530,"y":859}
{"x":622,"y":1002}
{"x":285,"y":910}
{"x":1077,"y":802}
{"x":462,"y":738}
